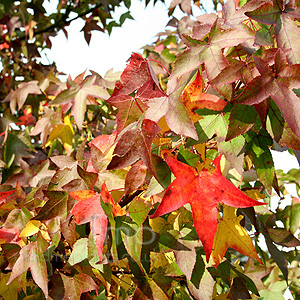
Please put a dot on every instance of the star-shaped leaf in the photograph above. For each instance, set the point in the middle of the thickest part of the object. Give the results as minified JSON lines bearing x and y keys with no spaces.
{"x":77,"y":94}
{"x":209,"y":52}
{"x":193,"y":98}
{"x":171,"y":107}
{"x":32,"y":256}
{"x":231,"y":234}
{"x":203,"y":191}
{"x":19,"y":96}
{"x":279,"y":86}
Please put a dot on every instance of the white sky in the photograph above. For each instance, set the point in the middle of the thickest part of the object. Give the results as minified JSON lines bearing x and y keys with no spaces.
{"x":73,"y":55}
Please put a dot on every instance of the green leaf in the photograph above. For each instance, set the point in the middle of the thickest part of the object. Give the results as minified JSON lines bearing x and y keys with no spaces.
{"x":241,"y":119}
{"x":14,"y":149}
{"x":132,"y":236}
{"x":274,"y":292}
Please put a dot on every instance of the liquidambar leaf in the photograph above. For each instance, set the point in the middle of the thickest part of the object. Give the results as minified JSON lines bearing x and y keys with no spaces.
{"x":193,"y":99}
{"x":231,"y":234}
{"x":31,"y":256}
{"x":89,"y":210}
{"x":203,"y":191}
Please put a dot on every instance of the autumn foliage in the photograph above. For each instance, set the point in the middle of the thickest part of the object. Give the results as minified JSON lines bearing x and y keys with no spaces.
{"x":157,"y":182}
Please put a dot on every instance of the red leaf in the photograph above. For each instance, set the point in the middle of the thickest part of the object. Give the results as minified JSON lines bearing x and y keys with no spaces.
{"x":4,"y":196}
{"x":138,"y":78}
{"x":9,"y":235}
{"x":89,"y":210}
{"x":203,"y":191}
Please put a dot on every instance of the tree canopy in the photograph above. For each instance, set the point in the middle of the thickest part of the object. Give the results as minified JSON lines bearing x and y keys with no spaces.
{"x":157,"y":182}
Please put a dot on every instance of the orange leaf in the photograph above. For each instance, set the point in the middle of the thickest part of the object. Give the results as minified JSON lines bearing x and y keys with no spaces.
{"x":193,"y":98}
{"x":117,"y":210}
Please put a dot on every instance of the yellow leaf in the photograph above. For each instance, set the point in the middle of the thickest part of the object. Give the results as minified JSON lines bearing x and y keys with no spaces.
{"x":63,"y":132}
{"x":31,"y":228}
{"x":255,"y":194}
{"x":231,"y":234}
{"x":163,"y":125}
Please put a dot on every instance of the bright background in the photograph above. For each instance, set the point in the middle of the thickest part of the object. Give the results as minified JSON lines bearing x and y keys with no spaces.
{"x":73,"y":55}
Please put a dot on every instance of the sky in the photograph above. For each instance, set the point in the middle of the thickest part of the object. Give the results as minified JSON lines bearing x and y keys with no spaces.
{"x":73,"y":55}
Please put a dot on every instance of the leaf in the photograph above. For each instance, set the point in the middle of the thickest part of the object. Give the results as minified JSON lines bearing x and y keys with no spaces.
{"x":9,"y":235}
{"x":137,"y":78}
{"x":277,"y":255}
{"x":15,"y":148}
{"x":19,"y":96}
{"x":132,"y":237}
{"x":63,"y":132}
{"x":170,"y":107}
{"x":4,"y":196}
{"x":262,"y":157}
{"x":77,"y":95}
{"x":135,"y":177}
{"x":286,"y":30}
{"x":134,"y":143}
{"x":31,"y":256}
{"x":89,"y":210}
{"x":242,"y":118}
{"x":210,"y":52}
{"x":279,"y":130}
{"x":45,"y":124}
{"x":10,"y":291}
{"x":193,"y":98}
{"x":275,"y":291}
{"x":56,"y":206}
{"x":71,"y":287}
{"x":278,"y":85}
{"x":283,"y":237}
{"x":217,"y":123}
{"x":102,"y":148}
{"x":203,"y":191}
{"x":107,"y":198}
{"x":231,"y":234}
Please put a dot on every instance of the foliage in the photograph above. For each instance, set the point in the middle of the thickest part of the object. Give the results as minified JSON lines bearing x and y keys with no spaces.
{"x":158,"y":183}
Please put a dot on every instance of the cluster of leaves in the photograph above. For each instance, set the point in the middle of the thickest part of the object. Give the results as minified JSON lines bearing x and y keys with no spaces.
{"x":158,"y":183}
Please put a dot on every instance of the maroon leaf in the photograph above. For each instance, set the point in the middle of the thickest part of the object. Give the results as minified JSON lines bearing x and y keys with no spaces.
{"x":134,"y":143}
{"x":137,"y":78}
{"x":278,"y":85}
{"x":135,"y":177}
